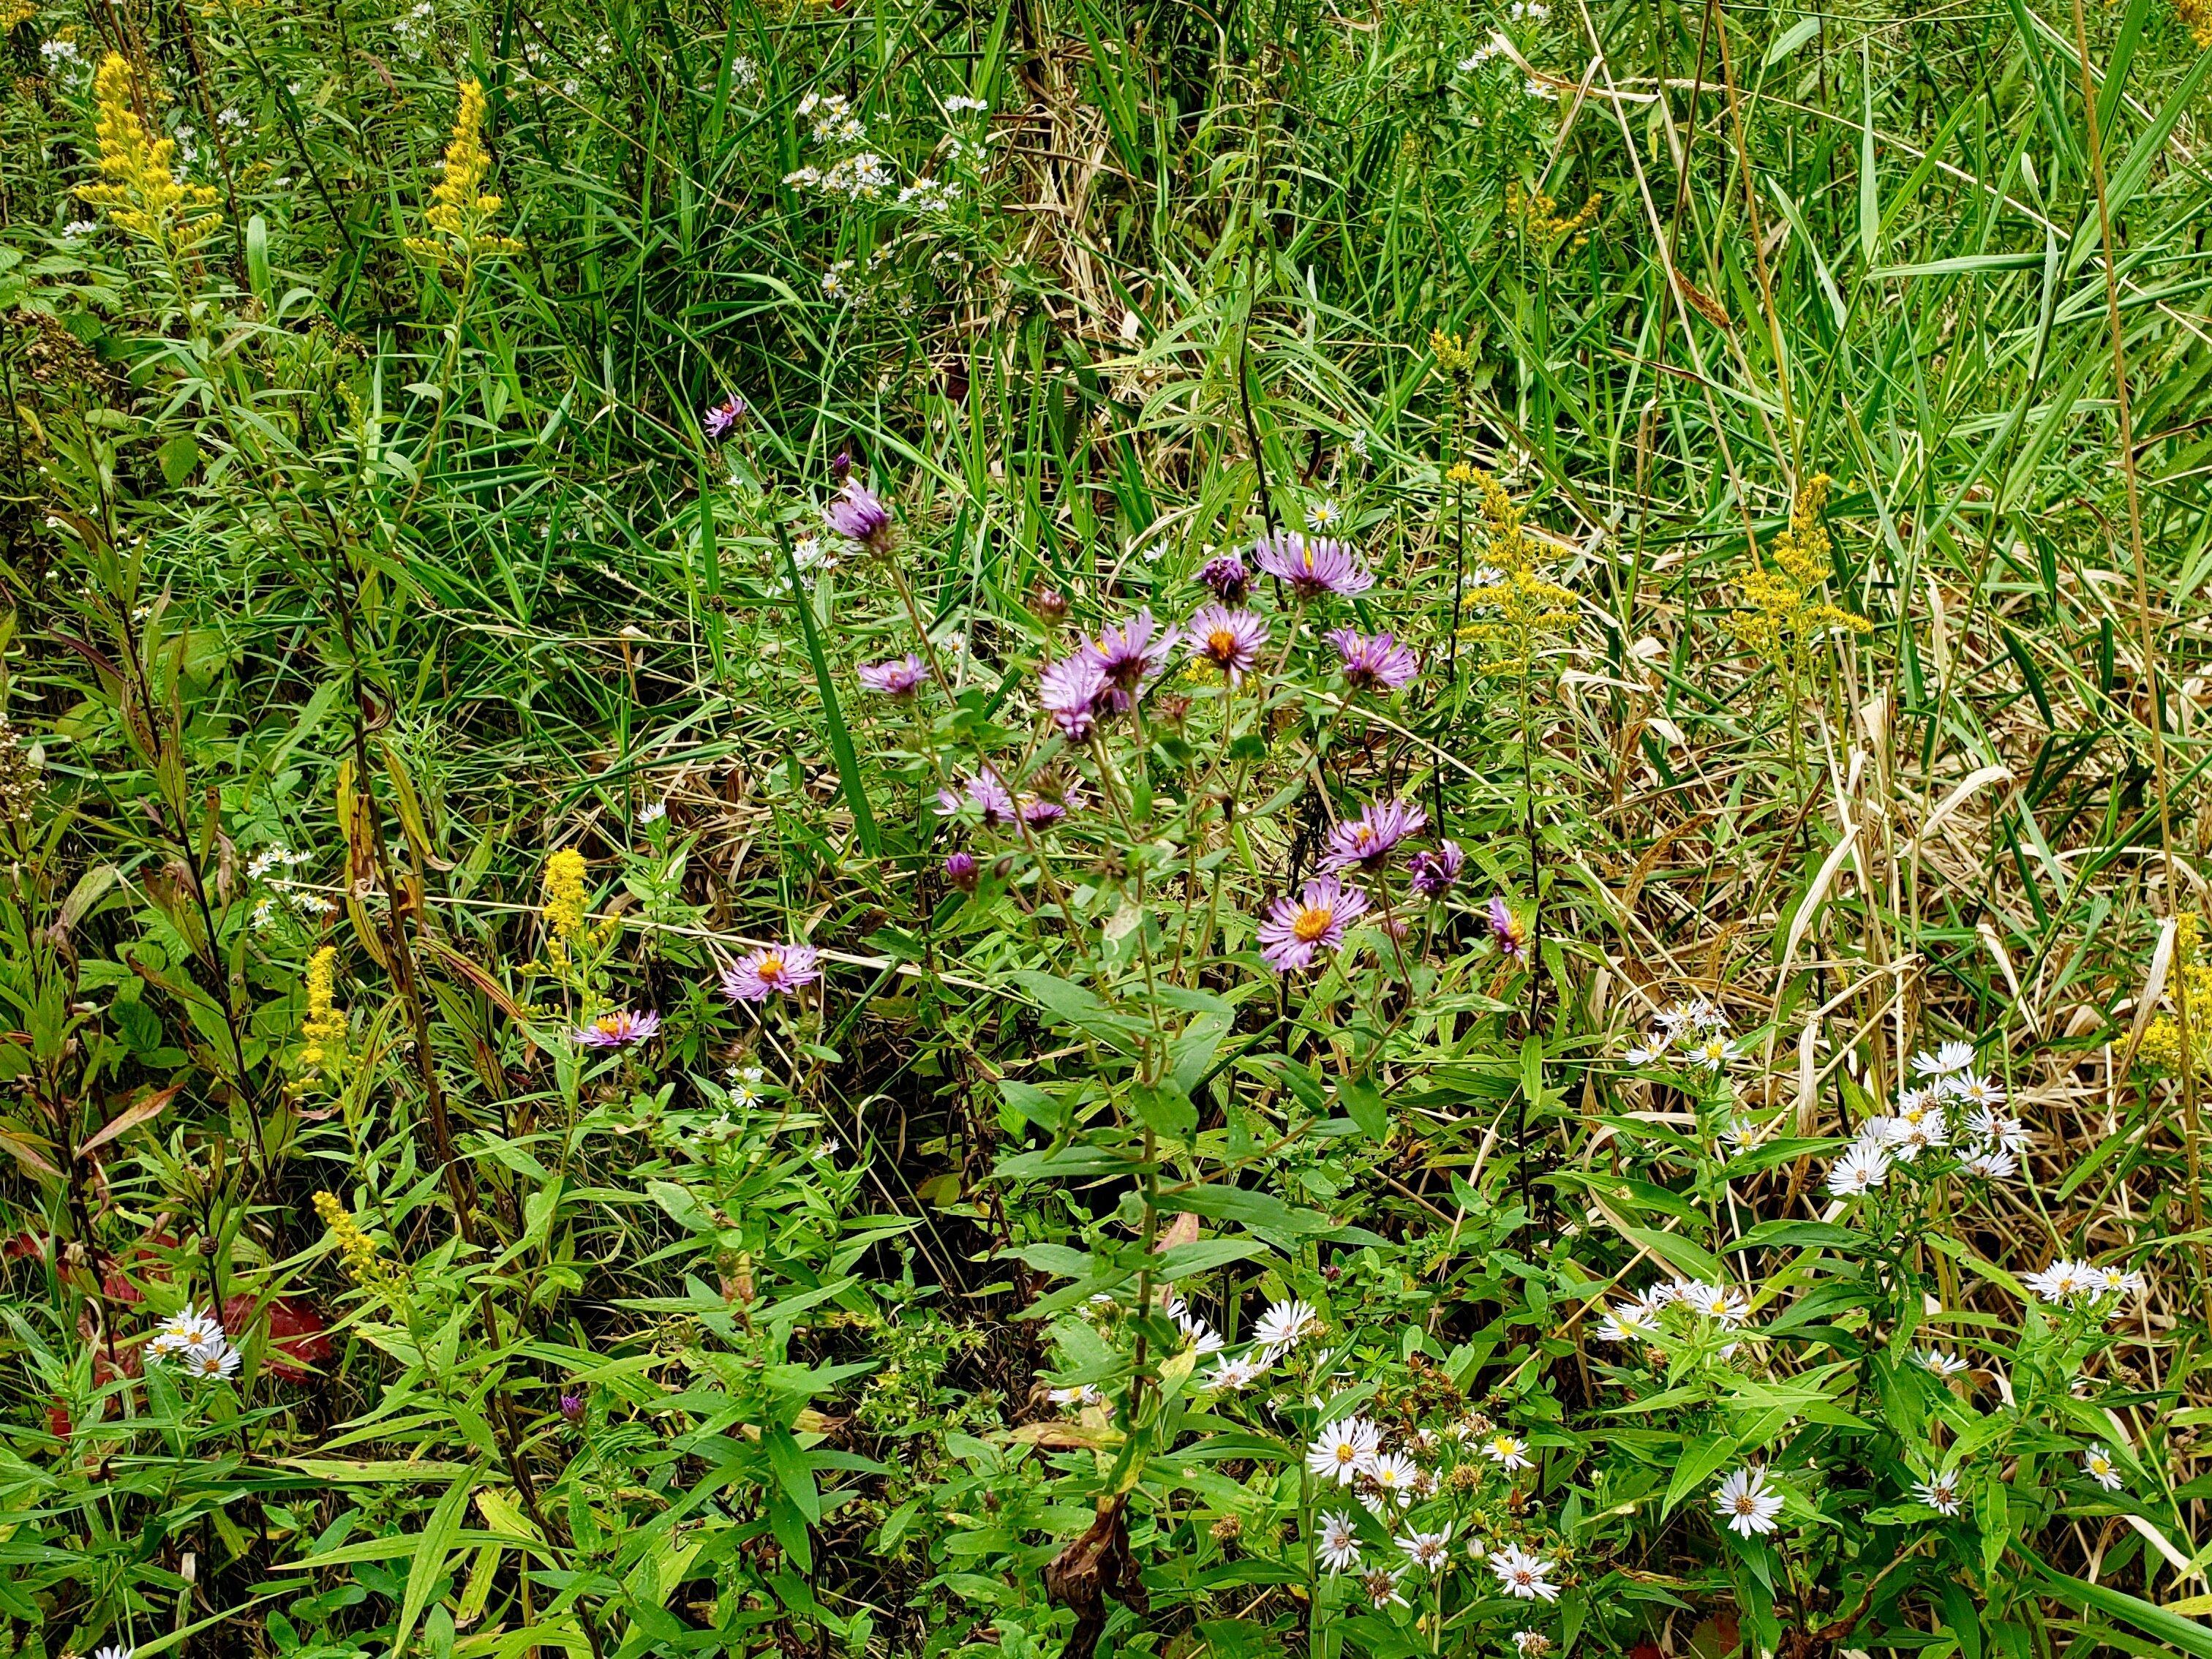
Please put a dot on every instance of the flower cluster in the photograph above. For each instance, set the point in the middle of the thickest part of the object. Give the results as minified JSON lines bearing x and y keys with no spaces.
{"x":364,"y":1265}
{"x":1643,"y":1319}
{"x":2079,"y":1285}
{"x":325,"y":1027}
{"x":462,"y":214}
{"x":195,"y":1342}
{"x":1781,"y":620}
{"x":1954,"y":1113}
{"x":562,"y":908}
{"x":1518,"y":608}
{"x":1697,"y":1031}
{"x":141,"y":190}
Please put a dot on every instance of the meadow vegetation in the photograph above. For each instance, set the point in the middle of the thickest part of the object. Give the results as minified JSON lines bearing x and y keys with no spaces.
{"x":1101,"y":827}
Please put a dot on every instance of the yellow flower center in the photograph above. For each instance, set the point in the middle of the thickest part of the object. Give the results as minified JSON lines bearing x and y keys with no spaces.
{"x":1221,"y":643}
{"x":1312,"y":923}
{"x":771,"y":969}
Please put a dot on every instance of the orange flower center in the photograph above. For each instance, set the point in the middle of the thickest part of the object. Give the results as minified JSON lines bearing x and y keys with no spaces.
{"x":1221,"y":643}
{"x":771,"y":969}
{"x":1313,"y":923}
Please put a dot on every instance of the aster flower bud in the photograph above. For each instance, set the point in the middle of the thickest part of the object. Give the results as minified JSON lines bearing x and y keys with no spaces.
{"x":841,"y":467}
{"x":1049,"y":603}
{"x":571,"y":1408}
{"x":960,"y":870}
{"x":1226,"y":576}
{"x":859,"y":516}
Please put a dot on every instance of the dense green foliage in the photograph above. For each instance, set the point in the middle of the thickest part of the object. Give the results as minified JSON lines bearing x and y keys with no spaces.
{"x":877,"y":829}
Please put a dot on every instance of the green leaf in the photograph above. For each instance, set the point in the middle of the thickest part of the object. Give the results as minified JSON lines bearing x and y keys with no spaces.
{"x":428,"y":1564}
{"x":793,"y":1472}
{"x":841,"y":740}
{"x":2170,"y":1629}
{"x":1786,"y":1235}
{"x":1363,"y":1104}
{"x":1164,"y":1108}
{"x":178,"y":456}
{"x":1700,"y":1463}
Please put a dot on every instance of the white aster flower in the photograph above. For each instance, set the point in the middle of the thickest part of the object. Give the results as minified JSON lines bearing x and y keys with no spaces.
{"x":1629,"y":1322}
{"x":1234,"y":1375}
{"x":1990,"y":1163}
{"x":1380,"y":1584}
{"x":2097,"y":1463}
{"x":1344,"y":1449}
{"x":1284,"y":1326}
{"x":2062,"y":1281}
{"x":181,"y":1331}
{"x":1531,"y":1644}
{"x":1859,"y":1171}
{"x":1524,"y":1575}
{"x":1975,"y":1090}
{"x":1941,"y":1363}
{"x":1724,"y":1304}
{"x":1087,"y":1393}
{"x":1940,"y":1492}
{"x":1337,"y":1541}
{"x":214,"y":1359}
{"x":1508,"y":1451}
{"x":1987,"y":1123}
{"x":1428,"y":1551}
{"x":1394,"y":1476}
{"x":1949,"y":1057}
{"x":1748,"y":1503}
{"x":1324,"y":515}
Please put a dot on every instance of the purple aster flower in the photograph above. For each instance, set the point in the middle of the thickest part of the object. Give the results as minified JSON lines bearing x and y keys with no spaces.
{"x":1313,"y":565}
{"x":1131,"y":657}
{"x":1314,"y":920}
{"x":1230,"y":640}
{"x":985,"y":792}
{"x":859,"y":515}
{"x":1507,"y":932}
{"x":902,"y":676}
{"x":960,"y":871}
{"x":1226,"y":576}
{"x":772,"y":969}
{"x":1041,"y":812}
{"x":1374,"y":662}
{"x":571,"y":1408}
{"x":717,"y":419}
{"x":1433,"y":873}
{"x":1072,"y":689}
{"x":1368,"y":841}
{"x":618,"y":1030}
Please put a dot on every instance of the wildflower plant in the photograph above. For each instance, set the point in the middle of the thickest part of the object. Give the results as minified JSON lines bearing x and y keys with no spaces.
{"x":1012,"y":937}
{"x":140,"y":187}
{"x":461,"y":226}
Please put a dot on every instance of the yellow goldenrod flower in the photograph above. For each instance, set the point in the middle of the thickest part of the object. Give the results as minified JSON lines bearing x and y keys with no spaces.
{"x":363,"y":1265}
{"x":325,"y":1027}
{"x":1515,"y":608}
{"x":2192,"y":976}
{"x":1542,"y":226}
{"x":1452,"y":352}
{"x":142,"y":193}
{"x":563,"y":907}
{"x":1782,"y":620}
{"x":2197,"y":16}
{"x":462,"y":213}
